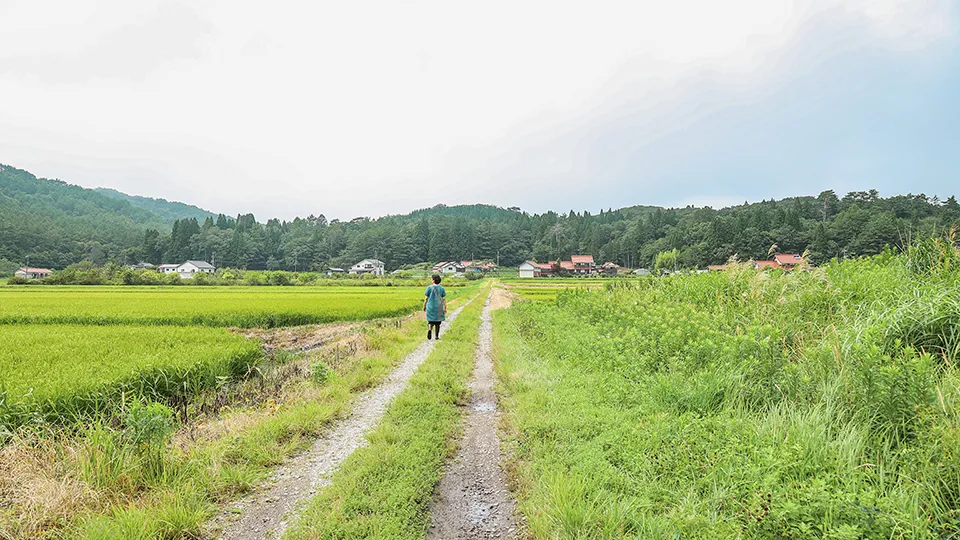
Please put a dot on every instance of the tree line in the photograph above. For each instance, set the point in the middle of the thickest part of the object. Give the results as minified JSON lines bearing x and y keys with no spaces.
{"x":826,"y":226}
{"x":50,"y":223}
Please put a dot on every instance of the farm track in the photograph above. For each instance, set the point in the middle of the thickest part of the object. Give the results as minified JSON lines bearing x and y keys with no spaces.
{"x":472,"y":499}
{"x":268,"y":512}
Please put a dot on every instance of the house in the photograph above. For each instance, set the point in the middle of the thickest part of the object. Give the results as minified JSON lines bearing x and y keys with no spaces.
{"x":369,"y":266}
{"x":332,"y":271}
{"x":191,"y":268}
{"x":142,"y":266}
{"x":783,"y":261}
{"x":642,"y":272}
{"x":527,"y":269}
{"x":531,"y":269}
{"x":488,"y":267}
{"x":583,"y":264}
{"x":787,"y":261}
{"x":32,"y":273}
{"x":610,"y":269}
{"x":451,"y":267}
{"x":185,"y":270}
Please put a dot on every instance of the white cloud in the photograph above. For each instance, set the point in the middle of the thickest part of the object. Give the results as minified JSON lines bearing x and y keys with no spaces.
{"x":352,"y":108}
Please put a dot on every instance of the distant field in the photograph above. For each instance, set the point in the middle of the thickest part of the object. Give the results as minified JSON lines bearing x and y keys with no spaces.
{"x":205,"y":306}
{"x":68,"y":370}
{"x":549,"y":288}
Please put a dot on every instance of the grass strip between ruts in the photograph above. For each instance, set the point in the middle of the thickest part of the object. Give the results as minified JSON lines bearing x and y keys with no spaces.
{"x":384,"y":490}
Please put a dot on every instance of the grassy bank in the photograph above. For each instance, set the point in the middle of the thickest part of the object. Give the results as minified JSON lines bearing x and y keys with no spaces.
{"x":816,"y":404}
{"x":384,"y":490}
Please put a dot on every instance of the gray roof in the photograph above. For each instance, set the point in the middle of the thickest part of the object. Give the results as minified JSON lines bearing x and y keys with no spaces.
{"x":200,"y":264}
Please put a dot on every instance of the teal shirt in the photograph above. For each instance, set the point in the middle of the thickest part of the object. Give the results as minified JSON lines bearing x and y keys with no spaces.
{"x":435,"y":294}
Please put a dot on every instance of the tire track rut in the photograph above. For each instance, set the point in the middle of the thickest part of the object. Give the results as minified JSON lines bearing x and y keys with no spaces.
{"x":472,"y":499}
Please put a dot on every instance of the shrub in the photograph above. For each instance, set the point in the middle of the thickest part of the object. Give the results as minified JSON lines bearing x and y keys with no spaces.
{"x":319,"y":372}
{"x":148,"y":423}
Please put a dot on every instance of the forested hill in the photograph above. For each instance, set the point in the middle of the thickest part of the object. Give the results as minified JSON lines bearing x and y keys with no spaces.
{"x":52,"y":223}
{"x":55,"y":224}
{"x":168,"y":210}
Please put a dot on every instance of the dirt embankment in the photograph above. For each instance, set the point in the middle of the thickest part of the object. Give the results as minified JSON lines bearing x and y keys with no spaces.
{"x":501,"y":298}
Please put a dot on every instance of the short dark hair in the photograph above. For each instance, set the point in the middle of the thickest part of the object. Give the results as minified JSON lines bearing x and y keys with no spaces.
{"x":436,"y":278}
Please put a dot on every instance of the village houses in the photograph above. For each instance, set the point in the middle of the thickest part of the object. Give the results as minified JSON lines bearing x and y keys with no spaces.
{"x":578,"y":265}
{"x":784,"y":261}
{"x":462,"y":267}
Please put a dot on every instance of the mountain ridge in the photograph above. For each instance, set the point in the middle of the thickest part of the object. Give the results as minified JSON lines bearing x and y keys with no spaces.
{"x":171,"y":210}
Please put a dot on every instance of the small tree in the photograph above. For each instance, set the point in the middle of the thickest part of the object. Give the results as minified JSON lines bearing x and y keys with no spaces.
{"x":666,"y":261}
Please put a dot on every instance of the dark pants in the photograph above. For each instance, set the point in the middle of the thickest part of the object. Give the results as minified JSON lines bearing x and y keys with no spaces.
{"x":431,"y":325}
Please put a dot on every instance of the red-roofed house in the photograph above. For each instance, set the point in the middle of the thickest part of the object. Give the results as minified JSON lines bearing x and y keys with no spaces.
{"x":32,"y":273}
{"x":780,"y":260}
{"x":583,"y":264}
{"x":787,"y":261}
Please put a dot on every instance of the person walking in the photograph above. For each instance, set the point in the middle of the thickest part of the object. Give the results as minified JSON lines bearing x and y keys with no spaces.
{"x":435,"y":306}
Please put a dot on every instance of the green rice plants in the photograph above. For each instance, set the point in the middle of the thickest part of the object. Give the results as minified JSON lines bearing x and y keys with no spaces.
{"x":61,"y":374}
{"x":205,"y":306}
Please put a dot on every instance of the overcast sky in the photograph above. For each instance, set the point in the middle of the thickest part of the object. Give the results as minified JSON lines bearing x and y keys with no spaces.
{"x":368,"y":108}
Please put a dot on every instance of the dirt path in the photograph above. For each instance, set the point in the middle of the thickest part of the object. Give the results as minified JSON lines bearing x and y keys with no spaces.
{"x":266,"y":513}
{"x":472,"y":500}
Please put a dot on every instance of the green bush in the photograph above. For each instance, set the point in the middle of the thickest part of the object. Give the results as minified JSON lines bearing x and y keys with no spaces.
{"x":148,"y":423}
{"x":319,"y":372}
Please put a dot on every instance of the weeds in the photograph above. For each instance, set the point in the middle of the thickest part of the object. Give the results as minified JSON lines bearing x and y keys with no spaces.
{"x":815,"y":404}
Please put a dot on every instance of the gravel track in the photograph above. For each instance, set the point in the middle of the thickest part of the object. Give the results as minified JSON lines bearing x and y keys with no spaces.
{"x":267,"y":513}
{"x":472,"y":499}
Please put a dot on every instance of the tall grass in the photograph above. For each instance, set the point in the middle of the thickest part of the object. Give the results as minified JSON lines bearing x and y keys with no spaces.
{"x":818,"y":404}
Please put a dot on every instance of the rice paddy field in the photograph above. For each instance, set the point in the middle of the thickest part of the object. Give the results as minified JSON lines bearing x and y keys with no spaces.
{"x":264,"y":307}
{"x":539,"y":289}
{"x":67,"y":372}
{"x":68,"y":353}
{"x":741,"y":404}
